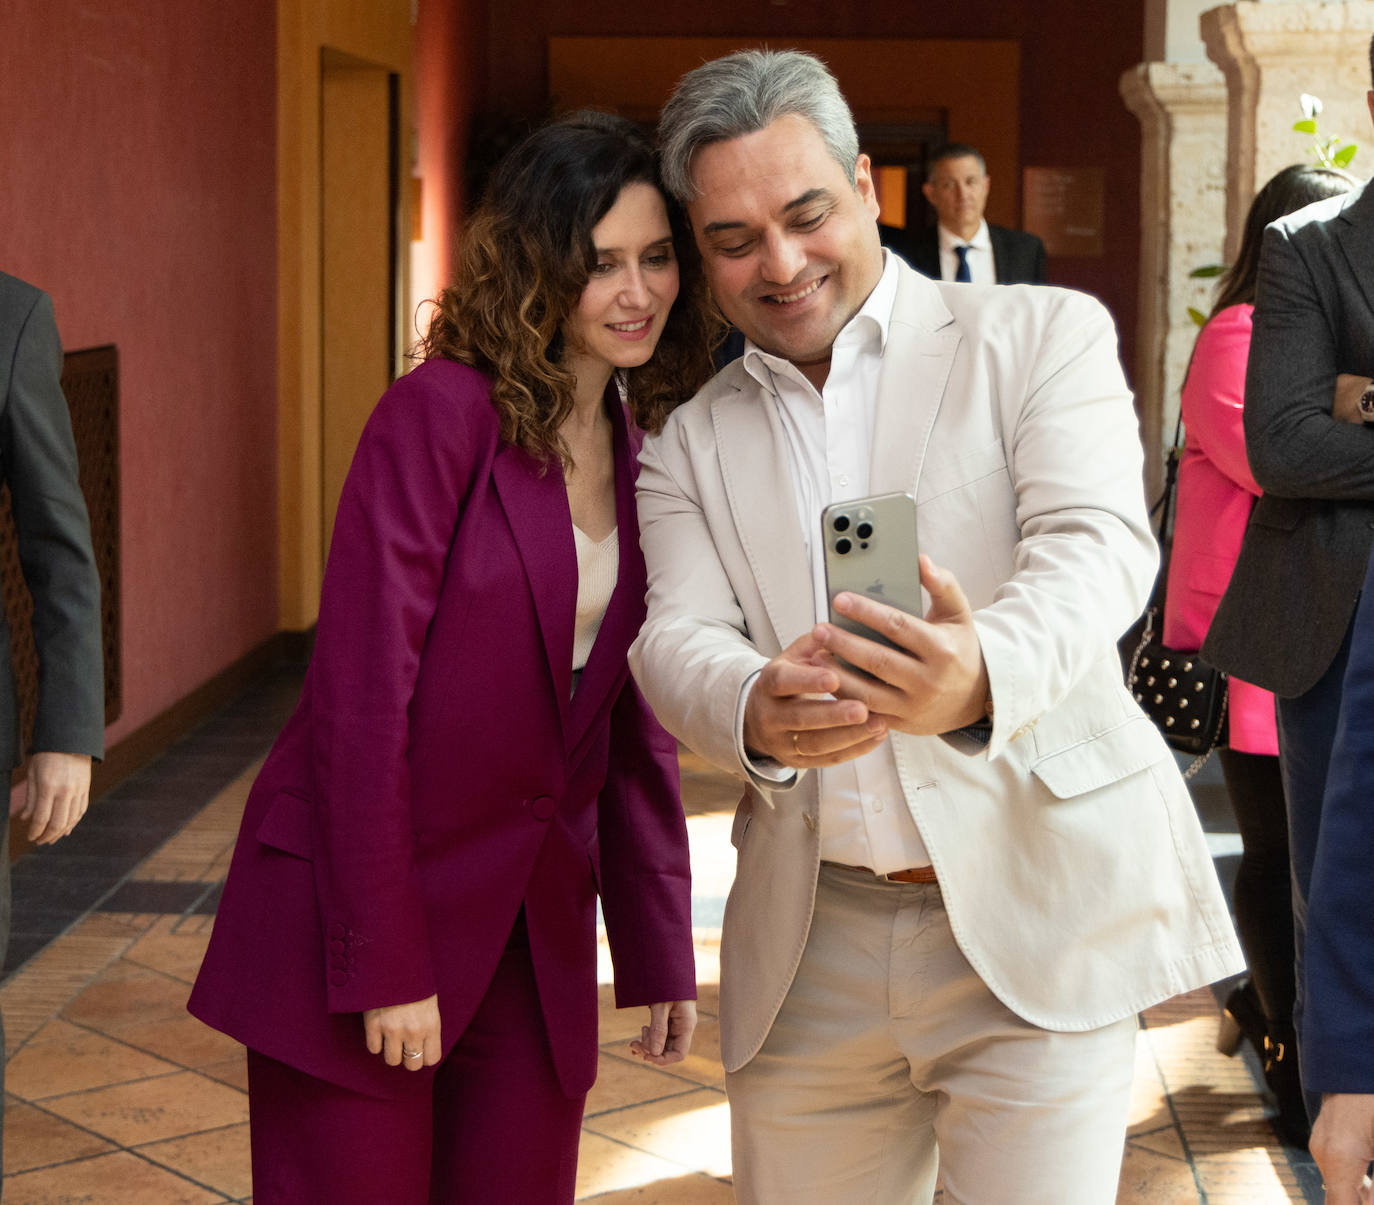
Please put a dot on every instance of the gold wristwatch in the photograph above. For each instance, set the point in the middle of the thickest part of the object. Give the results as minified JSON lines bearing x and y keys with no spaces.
{"x":1367,"y":405}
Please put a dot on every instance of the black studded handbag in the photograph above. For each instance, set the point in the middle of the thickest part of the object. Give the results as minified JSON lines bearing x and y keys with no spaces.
{"x":1176,"y":688}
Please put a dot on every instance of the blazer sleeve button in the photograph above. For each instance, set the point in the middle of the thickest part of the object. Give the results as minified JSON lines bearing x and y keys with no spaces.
{"x":337,"y":931}
{"x":542,"y":807}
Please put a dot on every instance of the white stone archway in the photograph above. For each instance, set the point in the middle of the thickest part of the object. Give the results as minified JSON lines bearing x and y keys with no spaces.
{"x":1217,"y":98}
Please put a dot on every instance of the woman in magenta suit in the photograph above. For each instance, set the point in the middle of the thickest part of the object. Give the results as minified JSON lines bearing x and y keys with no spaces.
{"x":407,"y":937}
{"x":1216,"y":492}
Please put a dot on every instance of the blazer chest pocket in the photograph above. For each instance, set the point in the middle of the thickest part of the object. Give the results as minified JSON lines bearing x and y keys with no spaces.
{"x":1101,"y":760}
{"x":942,"y":474}
{"x":287,"y":825}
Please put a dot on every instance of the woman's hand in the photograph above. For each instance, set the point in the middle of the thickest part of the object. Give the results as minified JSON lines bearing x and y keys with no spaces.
{"x":668,"y":1036}
{"x":406,"y":1035}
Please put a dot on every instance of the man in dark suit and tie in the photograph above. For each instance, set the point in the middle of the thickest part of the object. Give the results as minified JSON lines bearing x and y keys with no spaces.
{"x":38,"y":462}
{"x":1288,"y":622}
{"x":963,"y":246}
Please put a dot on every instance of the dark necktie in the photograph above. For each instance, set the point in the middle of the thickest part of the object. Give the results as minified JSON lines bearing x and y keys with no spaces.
{"x":963,"y":273}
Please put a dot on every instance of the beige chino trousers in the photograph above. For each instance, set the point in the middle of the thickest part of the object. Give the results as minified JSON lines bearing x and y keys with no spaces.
{"x":890,"y":1062}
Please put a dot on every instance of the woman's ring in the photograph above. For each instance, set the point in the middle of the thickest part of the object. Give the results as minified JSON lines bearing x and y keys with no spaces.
{"x":796,"y":748}
{"x":412,"y":1054}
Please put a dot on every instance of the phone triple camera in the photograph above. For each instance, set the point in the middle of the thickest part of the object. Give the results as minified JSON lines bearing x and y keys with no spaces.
{"x":863,"y":532}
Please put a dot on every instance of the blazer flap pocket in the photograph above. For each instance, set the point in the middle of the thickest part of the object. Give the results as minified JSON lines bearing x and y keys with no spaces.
{"x":1103,"y":759}
{"x":940,"y":473}
{"x":287,"y":825}
{"x":1273,"y":511}
{"x":1210,"y":574}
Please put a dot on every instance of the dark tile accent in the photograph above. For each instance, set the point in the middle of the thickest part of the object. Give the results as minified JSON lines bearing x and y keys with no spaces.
{"x":162,"y":815}
{"x":45,"y":923}
{"x":59,"y":862}
{"x":204,"y":767}
{"x":209,"y":903}
{"x":24,"y":946}
{"x":186,"y":791}
{"x":55,"y":886}
{"x":96,"y":838}
{"x":62,"y":893}
{"x":147,"y":895}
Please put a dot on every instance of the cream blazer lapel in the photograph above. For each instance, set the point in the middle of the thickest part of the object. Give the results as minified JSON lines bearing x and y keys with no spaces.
{"x":921,"y":345}
{"x":752,"y":448}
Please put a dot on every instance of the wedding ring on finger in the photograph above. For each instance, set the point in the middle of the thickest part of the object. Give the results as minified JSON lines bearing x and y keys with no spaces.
{"x":412,"y":1054}
{"x":796,"y":747}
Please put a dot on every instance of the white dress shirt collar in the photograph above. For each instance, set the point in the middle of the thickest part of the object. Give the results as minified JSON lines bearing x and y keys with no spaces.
{"x":874,"y":316}
{"x":981,"y":240}
{"x":982,"y":266}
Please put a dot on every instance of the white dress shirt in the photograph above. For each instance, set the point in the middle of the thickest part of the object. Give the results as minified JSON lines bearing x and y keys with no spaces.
{"x":864,"y":819}
{"x":980,"y":265}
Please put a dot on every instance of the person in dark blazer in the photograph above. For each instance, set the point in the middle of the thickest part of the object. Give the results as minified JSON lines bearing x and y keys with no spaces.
{"x":1285,"y":621}
{"x":1216,"y":493}
{"x":38,"y":463}
{"x":963,"y":245}
{"x":407,"y":937}
{"x":1338,"y":1033}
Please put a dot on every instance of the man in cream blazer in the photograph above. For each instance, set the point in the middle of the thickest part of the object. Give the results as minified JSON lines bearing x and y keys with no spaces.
{"x":960,"y":878}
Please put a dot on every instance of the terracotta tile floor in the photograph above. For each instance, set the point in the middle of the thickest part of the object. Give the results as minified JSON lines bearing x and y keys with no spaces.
{"x":115,"y":1094}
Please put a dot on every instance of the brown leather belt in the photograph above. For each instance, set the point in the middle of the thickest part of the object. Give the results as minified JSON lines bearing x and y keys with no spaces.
{"x":916,"y":874}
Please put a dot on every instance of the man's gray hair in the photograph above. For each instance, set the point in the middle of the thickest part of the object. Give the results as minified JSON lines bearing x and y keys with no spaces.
{"x":743,"y":93}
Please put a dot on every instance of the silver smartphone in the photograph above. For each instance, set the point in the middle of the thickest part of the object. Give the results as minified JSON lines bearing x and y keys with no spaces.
{"x":870,"y":549}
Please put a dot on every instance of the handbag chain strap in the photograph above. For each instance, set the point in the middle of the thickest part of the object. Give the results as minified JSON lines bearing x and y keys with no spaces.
{"x":1164,"y":506}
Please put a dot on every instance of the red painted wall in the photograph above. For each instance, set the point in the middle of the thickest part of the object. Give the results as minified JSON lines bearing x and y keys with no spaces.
{"x":138,"y":145}
{"x":1071,"y":112}
{"x":450,"y":61}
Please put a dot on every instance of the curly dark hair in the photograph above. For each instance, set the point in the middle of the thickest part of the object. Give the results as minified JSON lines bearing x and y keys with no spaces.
{"x":527,"y":255}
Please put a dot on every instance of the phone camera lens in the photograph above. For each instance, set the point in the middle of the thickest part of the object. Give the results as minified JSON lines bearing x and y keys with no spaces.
{"x":842,"y":546}
{"x":864,"y":530}
{"x":841,"y":523}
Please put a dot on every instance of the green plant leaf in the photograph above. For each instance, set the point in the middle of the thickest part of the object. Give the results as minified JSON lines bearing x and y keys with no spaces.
{"x":1343,"y":156}
{"x":1207,"y":271}
{"x":1198,"y":317}
{"x":1307,"y":126}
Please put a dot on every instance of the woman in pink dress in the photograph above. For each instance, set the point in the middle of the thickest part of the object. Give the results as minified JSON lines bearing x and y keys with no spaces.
{"x":1216,"y":492}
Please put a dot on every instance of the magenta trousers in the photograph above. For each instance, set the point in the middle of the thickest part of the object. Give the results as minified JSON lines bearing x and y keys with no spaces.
{"x":496,"y":1127}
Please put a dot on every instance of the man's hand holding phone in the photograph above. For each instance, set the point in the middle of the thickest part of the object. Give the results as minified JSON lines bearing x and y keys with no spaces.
{"x":792,"y":716}
{"x":934,"y":682}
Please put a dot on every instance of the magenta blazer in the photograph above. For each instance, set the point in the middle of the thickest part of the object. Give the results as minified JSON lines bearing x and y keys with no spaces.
{"x":1216,"y":492}
{"x":438,"y":772}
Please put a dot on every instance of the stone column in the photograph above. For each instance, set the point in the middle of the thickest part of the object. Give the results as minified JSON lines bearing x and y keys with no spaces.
{"x":1182,"y":112}
{"x":1271,"y":53}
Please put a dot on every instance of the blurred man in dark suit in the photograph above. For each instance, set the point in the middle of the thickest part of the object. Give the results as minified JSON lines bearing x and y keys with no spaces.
{"x":38,"y":463}
{"x":963,"y":246}
{"x":1298,"y":618}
